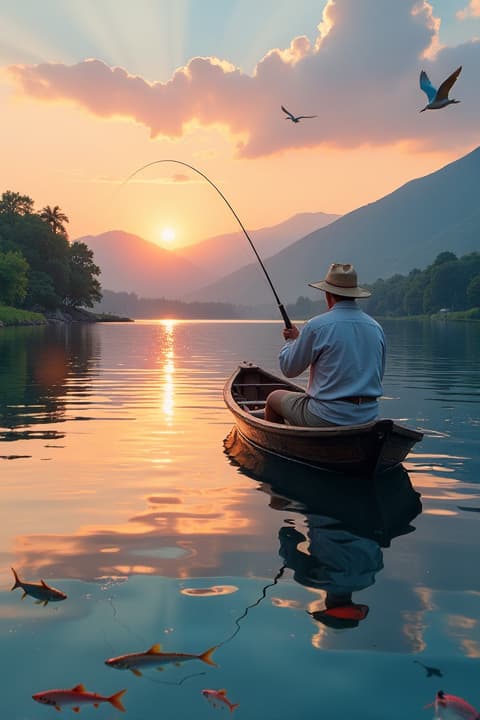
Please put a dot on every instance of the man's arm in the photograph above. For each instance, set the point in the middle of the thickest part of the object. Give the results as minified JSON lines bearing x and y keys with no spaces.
{"x":296,"y":354}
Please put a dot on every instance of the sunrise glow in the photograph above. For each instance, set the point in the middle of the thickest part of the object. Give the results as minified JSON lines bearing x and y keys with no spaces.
{"x":168,"y":235}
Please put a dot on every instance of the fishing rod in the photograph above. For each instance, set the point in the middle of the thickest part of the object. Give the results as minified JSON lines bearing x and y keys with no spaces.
{"x":281,"y":308}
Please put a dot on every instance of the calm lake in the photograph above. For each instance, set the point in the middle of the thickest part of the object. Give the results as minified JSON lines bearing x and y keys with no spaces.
{"x":116,"y":489}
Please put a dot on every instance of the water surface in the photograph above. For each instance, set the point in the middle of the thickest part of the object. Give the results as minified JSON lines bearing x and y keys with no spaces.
{"x":116,"y":489}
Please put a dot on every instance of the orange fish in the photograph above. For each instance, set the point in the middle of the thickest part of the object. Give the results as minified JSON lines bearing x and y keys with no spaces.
{"x":154,"y":657}
{"x":77,"y":696}
{"x":451,"y":707}
{"x":217,"y":698}
{"x":41,"y":591}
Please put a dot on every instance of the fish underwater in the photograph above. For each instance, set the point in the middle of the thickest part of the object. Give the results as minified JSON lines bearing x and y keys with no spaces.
{"x":451,"y":707}
{"x":154,"y":657}
{"x":217,"y":698}
{"x":41,"y":591}
{"x":77,"y":696}
{"x":429,"y":670}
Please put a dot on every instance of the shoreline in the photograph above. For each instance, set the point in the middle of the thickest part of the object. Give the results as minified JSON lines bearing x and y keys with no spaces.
{"x":15,"y":317}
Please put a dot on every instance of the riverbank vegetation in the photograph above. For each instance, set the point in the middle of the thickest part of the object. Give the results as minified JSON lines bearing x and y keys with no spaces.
{"x":39,"y":269}
{"x":14,"y":316}
{"x":450,"y":286}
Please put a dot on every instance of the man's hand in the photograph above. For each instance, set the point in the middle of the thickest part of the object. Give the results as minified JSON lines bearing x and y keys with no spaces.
{"x":291,"y":333}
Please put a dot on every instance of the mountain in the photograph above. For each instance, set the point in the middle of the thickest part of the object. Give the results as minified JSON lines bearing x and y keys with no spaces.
{"x":129,"y":263}
{"x":223,"y":254}
{"x":406,"y":229}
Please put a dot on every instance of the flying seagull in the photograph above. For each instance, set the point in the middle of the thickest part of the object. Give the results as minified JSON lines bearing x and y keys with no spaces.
{"x":438,"y":98}
{"x":295,"y":118}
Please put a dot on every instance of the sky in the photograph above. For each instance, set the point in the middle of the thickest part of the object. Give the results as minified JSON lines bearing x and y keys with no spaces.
{"x":92,"y":90}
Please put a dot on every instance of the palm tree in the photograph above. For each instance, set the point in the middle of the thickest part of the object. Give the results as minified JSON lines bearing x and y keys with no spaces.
{"x":55,"y":218}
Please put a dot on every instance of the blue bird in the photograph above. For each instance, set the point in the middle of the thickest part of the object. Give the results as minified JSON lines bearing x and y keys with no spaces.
{"x":438,"y":98}
{"x":295,"y":118}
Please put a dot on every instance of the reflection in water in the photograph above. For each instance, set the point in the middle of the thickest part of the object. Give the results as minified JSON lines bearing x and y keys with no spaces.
{"x":166,"y":361}
{"x":209,"y":591}
{"x":337,"y":562}
{"x":40,"y":366}
{"x":348,"y":520}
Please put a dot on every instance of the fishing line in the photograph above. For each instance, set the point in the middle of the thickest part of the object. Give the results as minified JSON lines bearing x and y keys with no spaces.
{"x":281,"y":308}
{"x":171,"y":682}
{"x":249,"y":607}
{"x":124,"y":626}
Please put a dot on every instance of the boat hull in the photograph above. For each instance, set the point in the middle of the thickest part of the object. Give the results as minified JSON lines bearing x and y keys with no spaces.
{"x":361,"y":449}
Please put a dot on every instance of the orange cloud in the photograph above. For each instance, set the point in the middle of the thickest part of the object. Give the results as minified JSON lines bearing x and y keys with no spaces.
{"x":472,"y":10}
{"x":360,"y":78}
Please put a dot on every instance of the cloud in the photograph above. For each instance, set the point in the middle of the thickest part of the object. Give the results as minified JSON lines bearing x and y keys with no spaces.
{"x":472,"y":10}
{"x":360,"y":77}
{"x":166,"y":180}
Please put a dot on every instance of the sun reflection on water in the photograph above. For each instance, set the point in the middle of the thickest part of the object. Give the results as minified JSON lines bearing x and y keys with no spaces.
{"x":166,"y":360}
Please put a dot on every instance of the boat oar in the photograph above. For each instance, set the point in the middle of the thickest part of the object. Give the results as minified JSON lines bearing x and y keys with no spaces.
{"x":281,"y":308}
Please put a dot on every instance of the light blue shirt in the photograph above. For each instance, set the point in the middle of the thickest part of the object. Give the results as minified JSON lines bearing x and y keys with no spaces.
{"x":345,"y":351}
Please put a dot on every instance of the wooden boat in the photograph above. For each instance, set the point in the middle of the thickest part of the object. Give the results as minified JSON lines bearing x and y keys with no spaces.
{"x":362,"y":449}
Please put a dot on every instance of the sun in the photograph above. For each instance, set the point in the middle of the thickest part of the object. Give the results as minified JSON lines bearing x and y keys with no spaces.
{"x":168,"y":235}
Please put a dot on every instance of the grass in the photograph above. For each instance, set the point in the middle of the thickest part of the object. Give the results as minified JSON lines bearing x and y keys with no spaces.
{"x":13,"y":316}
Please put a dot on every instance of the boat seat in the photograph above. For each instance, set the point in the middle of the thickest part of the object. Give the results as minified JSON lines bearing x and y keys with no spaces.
{"x":260,"y":413}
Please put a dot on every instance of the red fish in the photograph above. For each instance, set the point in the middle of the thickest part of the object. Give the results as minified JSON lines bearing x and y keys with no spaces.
{"x":41,"y":591}
{"x":77,"y":696}
{"x":217,"y":698}
{"x":451,"y":707}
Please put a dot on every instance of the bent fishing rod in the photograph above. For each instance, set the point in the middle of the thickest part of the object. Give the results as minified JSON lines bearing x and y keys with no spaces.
{"x":281,"y":308}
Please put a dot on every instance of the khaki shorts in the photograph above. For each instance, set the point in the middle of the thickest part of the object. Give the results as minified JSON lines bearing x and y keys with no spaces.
{"x":295,"y":411}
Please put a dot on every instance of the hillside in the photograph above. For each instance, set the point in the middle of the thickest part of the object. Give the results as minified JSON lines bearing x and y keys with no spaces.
{"x":129,"y":263}
{"x":232,"y":251}
{"x":402,"y":230}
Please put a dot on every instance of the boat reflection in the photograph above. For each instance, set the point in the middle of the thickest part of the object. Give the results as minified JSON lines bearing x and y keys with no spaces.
{"x":347,"y":522}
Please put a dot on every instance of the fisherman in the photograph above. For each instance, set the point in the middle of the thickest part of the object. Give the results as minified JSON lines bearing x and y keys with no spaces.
{"x":344,"y":349}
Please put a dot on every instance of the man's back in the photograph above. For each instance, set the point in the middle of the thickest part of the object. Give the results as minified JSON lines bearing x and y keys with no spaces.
{"x":345,"y":349}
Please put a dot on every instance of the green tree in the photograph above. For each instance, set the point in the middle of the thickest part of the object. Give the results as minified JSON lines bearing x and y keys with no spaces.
{"x":55,"y":218}
{"x":444,"y":257}
{"x":13,"y":278}
{"x":84,"y":288}
{"x":473,"y":291}
{"x":41,"y":293}
{"x":12,"y":204}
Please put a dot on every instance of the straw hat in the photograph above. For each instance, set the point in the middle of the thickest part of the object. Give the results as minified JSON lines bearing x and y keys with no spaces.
{"x":342,"y":280}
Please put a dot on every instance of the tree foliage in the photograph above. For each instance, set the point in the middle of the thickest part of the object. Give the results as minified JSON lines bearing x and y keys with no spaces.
{"x":55,"y":218}
{"x":84,"y":288}
{"x":13,"y":278}
{"x":57,"y":273}
{"x":448,"y":283}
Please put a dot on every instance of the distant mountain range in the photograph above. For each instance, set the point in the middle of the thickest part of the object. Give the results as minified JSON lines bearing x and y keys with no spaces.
{"x":232,"y":250}
{"x":403,"y":230}
{"x":131,"y":264}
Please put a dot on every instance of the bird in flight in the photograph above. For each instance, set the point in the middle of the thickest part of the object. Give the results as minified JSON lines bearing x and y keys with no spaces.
{"x":295,"y":118}
{"x":438,"y":98}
